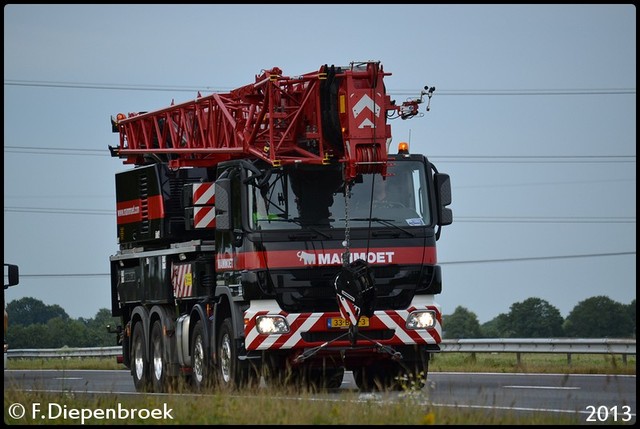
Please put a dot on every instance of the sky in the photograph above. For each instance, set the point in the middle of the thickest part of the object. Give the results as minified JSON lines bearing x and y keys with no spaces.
{"x":533,"y":118}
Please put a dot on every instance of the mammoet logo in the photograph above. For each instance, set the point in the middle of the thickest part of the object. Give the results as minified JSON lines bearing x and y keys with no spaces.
{"x":335,"y":258}
{"x":307,"y":258}
{"x":128,"y":211}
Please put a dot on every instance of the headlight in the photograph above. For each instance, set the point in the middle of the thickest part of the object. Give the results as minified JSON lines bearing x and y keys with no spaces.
{"x":272,"y":325}
{"x":422,"y":319}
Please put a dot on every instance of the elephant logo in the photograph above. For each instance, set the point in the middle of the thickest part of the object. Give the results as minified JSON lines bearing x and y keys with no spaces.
{"x":307,"y":258}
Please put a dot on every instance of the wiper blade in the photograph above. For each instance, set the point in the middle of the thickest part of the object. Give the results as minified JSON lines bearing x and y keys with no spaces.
{"x":301,"y":233}
{"x":386,"y":222}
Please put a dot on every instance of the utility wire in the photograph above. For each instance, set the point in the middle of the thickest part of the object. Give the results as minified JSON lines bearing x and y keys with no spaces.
{"x":465,"y":92}
{"x":479,"y":261}
{"x":539,"y":258}
{"x":461,"y":219}
{"x":38,"y":150}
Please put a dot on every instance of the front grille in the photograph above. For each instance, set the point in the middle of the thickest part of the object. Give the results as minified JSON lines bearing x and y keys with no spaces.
{"x":377,"y":335}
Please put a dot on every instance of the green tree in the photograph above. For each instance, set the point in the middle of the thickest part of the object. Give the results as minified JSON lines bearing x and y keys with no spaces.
{"x":34,"y":324}
{"x":462,"y":323}
{"x":535,"y":318}
{"x":599,"y":317}
{"x":97,"y":329}
{"x":66,"y":332}
{"x":27,"y":311}
{"x":498,"y":327}
{"x":26,"y":337}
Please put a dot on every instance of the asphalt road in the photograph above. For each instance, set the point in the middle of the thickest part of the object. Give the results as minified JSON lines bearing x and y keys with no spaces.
{"x":590,"y":396}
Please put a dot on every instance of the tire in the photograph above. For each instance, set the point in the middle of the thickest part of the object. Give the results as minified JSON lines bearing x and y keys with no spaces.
{"x":412,"y":374}
{"x":365,"y":378}
{"x":230,"y":373}
{"x":319,"y":379}
{"x":376,"y":377}
{"x":201,"y":369}
{"x":277,"y":372}
{"x":158,"y":364}
{"x":139,"y":359}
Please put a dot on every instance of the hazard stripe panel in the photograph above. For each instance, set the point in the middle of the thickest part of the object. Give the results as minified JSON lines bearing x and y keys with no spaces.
{"x":302,"y":323}
{"x":204,"y":217}
{"x":204,"y":193}
{"x":181,"y":280}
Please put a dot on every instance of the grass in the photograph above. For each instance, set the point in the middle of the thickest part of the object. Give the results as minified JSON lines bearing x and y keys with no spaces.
{"x":533,"y":363}
{"x":289,"y":407}
{"x":443,"y":362}
{"x":262,"y":406}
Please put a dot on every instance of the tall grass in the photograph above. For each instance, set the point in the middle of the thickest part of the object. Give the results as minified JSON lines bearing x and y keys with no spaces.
{"x":443,"y":362}
{"x":258,"y":407}
{"x":297,"y":407}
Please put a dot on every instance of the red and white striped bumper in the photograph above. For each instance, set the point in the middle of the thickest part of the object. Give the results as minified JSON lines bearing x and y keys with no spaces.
{"x":307,"y":328}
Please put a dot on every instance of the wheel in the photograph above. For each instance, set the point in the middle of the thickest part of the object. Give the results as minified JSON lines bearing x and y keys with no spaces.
{"x":159,"y":367}
{"x":277,"y":372}
{"x":375,"y":377}
{"x":139,"y":360}
{"x":200,"y":375}
{"x":412,"y":373}
{"x":364,"y":378}
{"x":230,"y":373}
{"x":324,"y":378}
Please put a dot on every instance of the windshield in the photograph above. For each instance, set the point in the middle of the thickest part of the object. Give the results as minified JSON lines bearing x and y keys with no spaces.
{"x":297,"y":198}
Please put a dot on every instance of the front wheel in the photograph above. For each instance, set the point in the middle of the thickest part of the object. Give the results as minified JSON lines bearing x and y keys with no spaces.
{"x":200,"y":376}
{"x":230,"y":372}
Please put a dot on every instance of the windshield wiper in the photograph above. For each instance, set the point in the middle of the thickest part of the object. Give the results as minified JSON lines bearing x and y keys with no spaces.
{"x":300,"y":233}
{"x":386,"y":222}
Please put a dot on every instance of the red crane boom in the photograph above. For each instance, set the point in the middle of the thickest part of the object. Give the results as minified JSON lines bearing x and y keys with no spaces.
{"x":332,"y":115}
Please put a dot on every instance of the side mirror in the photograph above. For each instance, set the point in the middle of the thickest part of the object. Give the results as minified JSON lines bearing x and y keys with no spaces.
{"x":443,"y":197}
{"x":12,"y":275}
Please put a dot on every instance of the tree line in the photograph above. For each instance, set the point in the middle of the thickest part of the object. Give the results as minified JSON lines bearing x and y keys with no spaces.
{"x":595,"y":317}
{"x":34,"y":324}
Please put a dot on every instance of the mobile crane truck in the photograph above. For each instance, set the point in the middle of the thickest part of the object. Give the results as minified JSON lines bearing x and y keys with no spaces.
{"x":252,"y":245}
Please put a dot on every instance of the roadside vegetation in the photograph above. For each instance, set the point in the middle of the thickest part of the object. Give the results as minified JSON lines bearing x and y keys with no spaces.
{"x":292,"y":407}
{"x":443,"y":362}
{"x":263,"y":406}
{"x":34,"y":324}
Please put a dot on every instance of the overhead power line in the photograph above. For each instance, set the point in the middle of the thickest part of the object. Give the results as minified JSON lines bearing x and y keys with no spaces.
{"x":545,"y":219}
{"x":53,"y":210}
{"x":461,"y":219}
{"x":407,"y":92}
{"x":479,"y":261}
{"x":38,"y":150}
{"x":539,"y":258}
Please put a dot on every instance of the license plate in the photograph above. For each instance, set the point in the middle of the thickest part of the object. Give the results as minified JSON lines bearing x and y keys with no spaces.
{"x":339,"y":322}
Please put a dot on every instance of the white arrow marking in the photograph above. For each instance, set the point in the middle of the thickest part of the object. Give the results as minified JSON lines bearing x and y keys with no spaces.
{"x":365,"y":102}
{"x":367,"y":123}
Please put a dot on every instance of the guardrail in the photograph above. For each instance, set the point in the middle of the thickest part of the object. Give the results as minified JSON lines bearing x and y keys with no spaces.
{"x":518,"y":346}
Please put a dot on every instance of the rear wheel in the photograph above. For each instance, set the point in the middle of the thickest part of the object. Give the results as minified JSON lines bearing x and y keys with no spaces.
{"x":139,"y":360}
{"x":159,"y":367}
